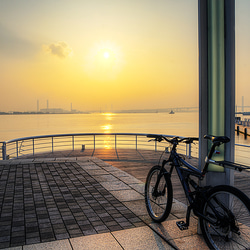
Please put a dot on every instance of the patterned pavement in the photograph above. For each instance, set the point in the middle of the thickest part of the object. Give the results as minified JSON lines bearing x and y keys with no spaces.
{"x":85,"y":203}
{"x":41,"y":202}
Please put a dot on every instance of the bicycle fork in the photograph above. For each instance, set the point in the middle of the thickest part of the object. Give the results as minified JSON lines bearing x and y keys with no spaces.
{"x":155,"y":192}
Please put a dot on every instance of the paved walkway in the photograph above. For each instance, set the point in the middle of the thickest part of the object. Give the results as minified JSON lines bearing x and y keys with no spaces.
{"x":82,"y":203}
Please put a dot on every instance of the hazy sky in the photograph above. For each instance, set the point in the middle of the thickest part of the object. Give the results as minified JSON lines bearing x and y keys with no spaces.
{"x":100,"y":54}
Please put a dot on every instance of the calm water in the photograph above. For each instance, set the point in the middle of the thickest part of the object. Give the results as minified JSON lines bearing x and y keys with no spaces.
{"x":180,"y":124}
{"x":16,"y":126}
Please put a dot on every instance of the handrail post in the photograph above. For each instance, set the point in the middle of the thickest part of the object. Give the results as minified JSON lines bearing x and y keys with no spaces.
{"x":4,"y":151}
{"x":94,"y":142}
{"x":155,"y":145}
{"x":189,"y":151}
{"x":33,"y":146}
{"x":115,"y":142}
{"x":136,"y":142}
{"x":52,"y":144}
{"x":73,"y":142}
{"x":16,"y":149}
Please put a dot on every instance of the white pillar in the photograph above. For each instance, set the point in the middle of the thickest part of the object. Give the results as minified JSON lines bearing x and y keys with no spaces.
{"x":217,"y":82}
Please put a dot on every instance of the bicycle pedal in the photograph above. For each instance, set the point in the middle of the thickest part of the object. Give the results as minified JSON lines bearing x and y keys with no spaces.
{"x":182,"y":225}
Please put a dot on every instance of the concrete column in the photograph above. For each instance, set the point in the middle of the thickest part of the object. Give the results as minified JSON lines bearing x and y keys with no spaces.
{"x":217,"y":82}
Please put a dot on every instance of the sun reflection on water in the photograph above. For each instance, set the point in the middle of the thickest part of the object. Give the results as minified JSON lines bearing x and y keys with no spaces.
{"x":107,"y":144}
{"x":107,"y":140}
{"x":106,"y":128}
{"x":109,"y":116}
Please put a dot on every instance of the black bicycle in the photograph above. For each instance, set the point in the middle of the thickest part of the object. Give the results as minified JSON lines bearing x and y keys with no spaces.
{"x":223,"y":211}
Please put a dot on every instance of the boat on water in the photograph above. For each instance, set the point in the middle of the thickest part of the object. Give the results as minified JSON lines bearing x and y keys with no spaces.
{"x":171,"y":112}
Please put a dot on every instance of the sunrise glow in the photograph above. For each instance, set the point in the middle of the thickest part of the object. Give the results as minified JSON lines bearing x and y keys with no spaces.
{"x":97,"y":57}
{"x":94,"y":56}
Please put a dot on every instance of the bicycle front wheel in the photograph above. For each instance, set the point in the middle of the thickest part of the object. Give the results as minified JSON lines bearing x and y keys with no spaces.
{"x":228,"y":211}
{"x":158,"y":199}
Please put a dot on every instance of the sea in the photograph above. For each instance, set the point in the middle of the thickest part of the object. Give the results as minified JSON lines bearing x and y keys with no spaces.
{"x":18,"y":126}
{"x":177,"y":124}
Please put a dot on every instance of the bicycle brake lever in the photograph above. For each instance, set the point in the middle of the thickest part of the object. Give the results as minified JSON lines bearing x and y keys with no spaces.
{"x":156,"y":139}
{"x":152,"y":140}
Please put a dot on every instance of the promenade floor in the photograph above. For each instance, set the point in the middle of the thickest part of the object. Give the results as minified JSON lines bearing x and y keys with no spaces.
{"x":86,"y":200}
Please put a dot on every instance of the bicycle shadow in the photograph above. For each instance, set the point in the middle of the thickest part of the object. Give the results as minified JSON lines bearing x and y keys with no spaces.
{"x":180,"y":239}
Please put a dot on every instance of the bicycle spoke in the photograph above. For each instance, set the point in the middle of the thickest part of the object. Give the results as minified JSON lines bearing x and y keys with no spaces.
{"x":229,"y":209}
{"x":158,"y":195}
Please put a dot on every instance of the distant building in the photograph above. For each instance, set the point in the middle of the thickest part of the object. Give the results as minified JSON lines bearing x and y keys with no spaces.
{"x":54,"y":111}
{"x":60,"y":111}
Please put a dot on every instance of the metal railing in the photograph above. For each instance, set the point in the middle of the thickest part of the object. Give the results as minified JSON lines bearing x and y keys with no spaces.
{"x":242,"y":153}
{"x":17,"y":148}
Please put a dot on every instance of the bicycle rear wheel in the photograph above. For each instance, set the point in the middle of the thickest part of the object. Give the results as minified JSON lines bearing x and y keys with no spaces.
{"x":230,"y":219}
{"x":158,"y":201}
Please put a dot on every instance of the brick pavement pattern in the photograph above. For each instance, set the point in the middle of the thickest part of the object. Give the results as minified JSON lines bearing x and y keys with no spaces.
{"x":41,"y":202}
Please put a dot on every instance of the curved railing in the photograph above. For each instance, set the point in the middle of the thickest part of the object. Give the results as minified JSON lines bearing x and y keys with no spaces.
{"x":17,"y":148}
{"x":242,"y":153}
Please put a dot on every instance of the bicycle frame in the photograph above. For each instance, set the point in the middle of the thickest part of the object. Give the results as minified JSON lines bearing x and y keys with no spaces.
{"x":184,"y":171}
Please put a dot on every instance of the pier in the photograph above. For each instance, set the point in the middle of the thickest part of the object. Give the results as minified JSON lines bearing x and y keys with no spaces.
{"x":90,"y":198}
{"x":137,"y":163}
{"x":242,"y":127}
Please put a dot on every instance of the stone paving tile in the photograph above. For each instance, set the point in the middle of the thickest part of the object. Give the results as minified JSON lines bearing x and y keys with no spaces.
{"x":189,"y":243}
{"x":89,"y":166}
{"x":112,"y":169}
{"x":101,"y":241}
{"x":139,"y":187}
{"x":47,"y":201}
{"x":127,"y":195}
{"x":116,"y":172}
{"x":170,"y":231}
{"x":137,"y":206}
{"x":140,"y":238}
{"x":105,"y":177}
{"x":129,"y":180}
{"x":97,"y":172}
{"x":115,"y":185}
{"x":178,"y":209}
{"x":59,"y":245}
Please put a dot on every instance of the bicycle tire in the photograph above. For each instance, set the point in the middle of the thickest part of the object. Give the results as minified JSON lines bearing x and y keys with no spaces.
{"x":158,"y":206}
{"x":232,"y":231}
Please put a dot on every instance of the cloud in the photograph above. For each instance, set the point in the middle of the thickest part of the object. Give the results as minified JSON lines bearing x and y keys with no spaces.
{"x":60,"y":49}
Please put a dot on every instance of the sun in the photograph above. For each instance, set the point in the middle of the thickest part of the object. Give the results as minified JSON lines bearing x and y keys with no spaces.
{"x":106,"y":54}
{"x":104,"y":61}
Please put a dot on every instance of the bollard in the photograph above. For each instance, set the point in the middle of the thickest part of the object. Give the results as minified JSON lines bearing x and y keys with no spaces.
{"x":238,"y":130}
{"x":4,"y":151}
{"x":83,"y":148}
{"x":245,"y":133}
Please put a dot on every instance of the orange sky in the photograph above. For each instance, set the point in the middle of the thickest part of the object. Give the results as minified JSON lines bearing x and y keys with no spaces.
{"x":102,"y":54}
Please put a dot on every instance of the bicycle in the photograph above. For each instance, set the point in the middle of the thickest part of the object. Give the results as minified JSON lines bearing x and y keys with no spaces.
{"x":223,"y":210}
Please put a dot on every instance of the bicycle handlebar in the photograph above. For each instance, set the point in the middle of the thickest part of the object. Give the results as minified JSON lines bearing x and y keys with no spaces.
{"x":216,"y":140}
{"x":186,"y":140}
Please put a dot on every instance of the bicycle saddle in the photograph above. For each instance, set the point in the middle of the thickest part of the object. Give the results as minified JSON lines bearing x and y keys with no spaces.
{"x":221,"y":139}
